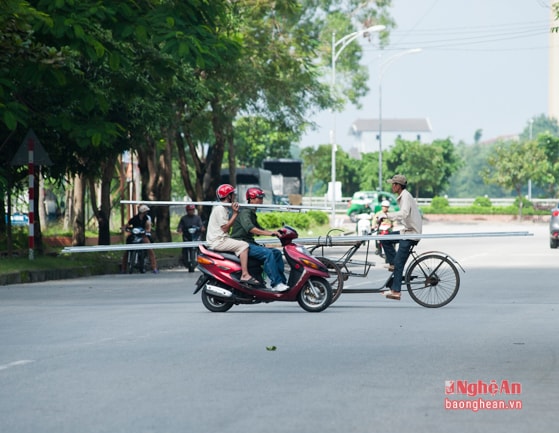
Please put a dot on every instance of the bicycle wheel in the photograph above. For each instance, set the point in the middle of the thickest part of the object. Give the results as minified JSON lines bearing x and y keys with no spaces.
{"x":432,"y":280}
{"x":336,"y":279}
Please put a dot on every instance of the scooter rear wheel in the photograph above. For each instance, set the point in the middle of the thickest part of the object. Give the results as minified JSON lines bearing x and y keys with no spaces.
{"x":214,"y":303}
{"x":316,"y":295}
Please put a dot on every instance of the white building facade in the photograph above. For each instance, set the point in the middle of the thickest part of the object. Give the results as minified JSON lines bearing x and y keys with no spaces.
{"x":367,"y":131}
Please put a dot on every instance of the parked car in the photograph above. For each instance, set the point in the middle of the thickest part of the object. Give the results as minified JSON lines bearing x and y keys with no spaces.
{"x":554,"y":227}
{"x":369,"y":202}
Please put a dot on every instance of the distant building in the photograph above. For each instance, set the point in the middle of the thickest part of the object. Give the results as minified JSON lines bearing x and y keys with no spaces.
{"x":501,"y":138}
{"x":366,"y":133}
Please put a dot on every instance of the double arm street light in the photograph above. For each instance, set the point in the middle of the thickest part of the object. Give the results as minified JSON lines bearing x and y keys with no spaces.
{"x":382,"y":69}
{"x":342,"y":43}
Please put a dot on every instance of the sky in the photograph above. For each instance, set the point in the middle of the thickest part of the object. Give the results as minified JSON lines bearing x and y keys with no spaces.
{"x":483,"y":65}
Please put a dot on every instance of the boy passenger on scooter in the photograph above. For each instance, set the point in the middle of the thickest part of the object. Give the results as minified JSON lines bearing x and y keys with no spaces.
{"x":246,"y":227}
{"x":217,"y":234}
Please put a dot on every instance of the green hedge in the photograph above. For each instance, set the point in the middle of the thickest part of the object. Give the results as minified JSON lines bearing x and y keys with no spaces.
{"x":481,"y":206}
{"x":301,"y":221}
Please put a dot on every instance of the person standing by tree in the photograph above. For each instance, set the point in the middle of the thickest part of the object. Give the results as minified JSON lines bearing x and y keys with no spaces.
{"x":192,"y":228}
{"x":410,"y":218}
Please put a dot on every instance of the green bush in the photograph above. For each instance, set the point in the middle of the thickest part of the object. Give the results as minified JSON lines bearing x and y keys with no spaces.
{"x":526,"y":204}
{"x":439,"y":203}
{"x":482,"y":202}
{"x":479,"y":210}
{"x":20,"y":239}
{"x":300,"y":221}
{"x":318,"y":217}
{"x":269,"y":220}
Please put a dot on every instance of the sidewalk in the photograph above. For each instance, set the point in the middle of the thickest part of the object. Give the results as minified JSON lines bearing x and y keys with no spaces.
{"x":36,"y":276}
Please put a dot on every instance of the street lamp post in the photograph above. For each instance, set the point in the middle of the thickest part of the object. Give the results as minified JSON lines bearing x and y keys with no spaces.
{"x":382,"y":69}
{"x":530,"y":180}
{"x":342,"y":43}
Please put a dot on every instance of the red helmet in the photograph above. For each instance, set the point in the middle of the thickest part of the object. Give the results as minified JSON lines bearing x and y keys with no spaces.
{"x":225,"y":190}
{"x":255,"y":193}
{"x":190,"y":207}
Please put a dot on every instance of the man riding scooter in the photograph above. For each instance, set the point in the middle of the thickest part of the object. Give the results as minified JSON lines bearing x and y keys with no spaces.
{"x":141,"y":220}
{"x":246,"y":227}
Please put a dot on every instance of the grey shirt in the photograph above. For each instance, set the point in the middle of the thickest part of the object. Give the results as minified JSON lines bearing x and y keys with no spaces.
{"x":408,"y":215}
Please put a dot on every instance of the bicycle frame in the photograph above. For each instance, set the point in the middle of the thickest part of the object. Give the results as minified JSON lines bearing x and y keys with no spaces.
{"x":430,"y":278}
{"x":415,"y":259}
{"x":347,"y":258}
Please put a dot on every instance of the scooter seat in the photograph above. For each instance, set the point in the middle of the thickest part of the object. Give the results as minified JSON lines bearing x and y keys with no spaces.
{"x":221,"y":254}
{"x":230,"y":256}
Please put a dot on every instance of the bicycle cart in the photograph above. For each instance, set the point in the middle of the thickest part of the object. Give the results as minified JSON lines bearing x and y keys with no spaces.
{"x":431,"y":278}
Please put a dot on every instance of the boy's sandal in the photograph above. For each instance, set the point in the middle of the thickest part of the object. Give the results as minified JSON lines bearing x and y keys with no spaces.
{"x":252,"y":281}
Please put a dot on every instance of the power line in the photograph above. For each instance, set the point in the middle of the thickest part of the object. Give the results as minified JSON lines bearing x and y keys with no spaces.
{"x":473,"y":36}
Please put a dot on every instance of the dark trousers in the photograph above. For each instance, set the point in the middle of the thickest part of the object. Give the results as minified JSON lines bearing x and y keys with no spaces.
{"x":273,"y":262}
{"x":398,"y":258}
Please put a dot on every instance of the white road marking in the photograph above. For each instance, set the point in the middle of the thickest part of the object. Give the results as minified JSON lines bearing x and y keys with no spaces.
{"x":16,"y":364}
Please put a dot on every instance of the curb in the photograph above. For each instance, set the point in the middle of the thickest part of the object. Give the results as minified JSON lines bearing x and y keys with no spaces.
{"x":36,"y":276}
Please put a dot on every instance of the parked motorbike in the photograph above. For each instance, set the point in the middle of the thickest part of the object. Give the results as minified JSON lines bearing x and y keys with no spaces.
{"x":190,"y":254}
{"x":136,"y":258}
{"x":221,"y":288}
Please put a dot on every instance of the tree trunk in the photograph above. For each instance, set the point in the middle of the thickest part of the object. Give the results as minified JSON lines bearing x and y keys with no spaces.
{"x":37,"y":204}
{"x":68,"y":206}
{"x":102,"y":213}
{"x":183,"y":165}
{"x":156,"y":174}
{"x":214,"y":158}
{"x":195,"y":190}
{"x":231,"y":151}
{"x":78,"y":199}
{"x":104,"y":217}
{"x":41,"y":199}
{"x":165,"y":173}
{"x":7,"y":226}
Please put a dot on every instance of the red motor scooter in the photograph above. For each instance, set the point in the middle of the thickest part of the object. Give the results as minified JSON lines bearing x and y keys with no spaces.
{"x":221,"y":289}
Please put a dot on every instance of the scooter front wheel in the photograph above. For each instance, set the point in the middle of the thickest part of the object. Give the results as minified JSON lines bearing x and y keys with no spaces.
{"x":316,"y":295}
{"x":214,"y":303}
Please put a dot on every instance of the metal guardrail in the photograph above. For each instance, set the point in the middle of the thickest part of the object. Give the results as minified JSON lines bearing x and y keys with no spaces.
{"x":342,"y":204}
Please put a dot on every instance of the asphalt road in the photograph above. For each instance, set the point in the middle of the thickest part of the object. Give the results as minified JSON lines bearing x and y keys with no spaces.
{"x":140,"y":353}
